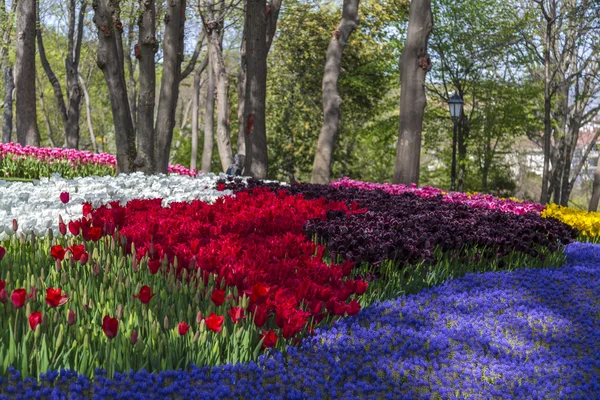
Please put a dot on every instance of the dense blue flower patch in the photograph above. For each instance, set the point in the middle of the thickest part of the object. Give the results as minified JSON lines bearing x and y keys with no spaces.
{"x":525,"y":334}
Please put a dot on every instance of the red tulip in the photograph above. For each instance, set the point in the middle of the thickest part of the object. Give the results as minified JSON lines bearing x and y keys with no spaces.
{"x":77,"y":251}
{"x":84,"y":258}
{"x":55,"y":298}
{"x":95,"y":233}
{"x":260,"y":315}
{"x":18,"y":297}
{"x":57,"y":252}
{"x":110,"y":326}
{"x":2,"y":252}
{"x":62,"y":228}
{"x":218,"y":297}
{"x":87,"y":209}
{"x":2,"y":284}
{"x":145,"y":294}
{"x":361,"y":287}
{"x":134,"y":336}
{"x":154,"y":266}
{"x":353,"y":307}
{"x":259,"y":293}
{"x":64,"y":197}
{"x":236,"y":314}
{"x":3,"y":296}
{"x":72,"y":317}
{"x":214,"y":322}
{"x":35,"y":319}
{"x":183,"y":328}
{"x":74,"y":227}
{"x":270,"y":339}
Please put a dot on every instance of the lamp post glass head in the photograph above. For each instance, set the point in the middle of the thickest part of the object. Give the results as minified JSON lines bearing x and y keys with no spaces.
{"x":455,"y":103}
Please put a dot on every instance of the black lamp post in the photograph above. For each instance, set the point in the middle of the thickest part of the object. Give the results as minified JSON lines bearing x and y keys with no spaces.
{"x":455,"y":103}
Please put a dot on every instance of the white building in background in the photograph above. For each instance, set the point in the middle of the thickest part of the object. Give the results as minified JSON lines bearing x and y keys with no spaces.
{"x":528,"y":157}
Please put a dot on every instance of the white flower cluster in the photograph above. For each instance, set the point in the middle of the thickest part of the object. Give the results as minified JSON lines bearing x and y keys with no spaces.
{"x":36,"y":206}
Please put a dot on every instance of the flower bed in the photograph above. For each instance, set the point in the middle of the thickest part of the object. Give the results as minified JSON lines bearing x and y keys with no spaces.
{"x":35,"y":162}
{"x":473,"y":200}
{"x":521,"y":334}
{"x":409,"y":228}
{"x":218,"y":270}
{"x":37,"y":205}
{"x":587,"y":223}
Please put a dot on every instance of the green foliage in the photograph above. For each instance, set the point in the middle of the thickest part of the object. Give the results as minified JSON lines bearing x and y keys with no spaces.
{"x":369,"y":75}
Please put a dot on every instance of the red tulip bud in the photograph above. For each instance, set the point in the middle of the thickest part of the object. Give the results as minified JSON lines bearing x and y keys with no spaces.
{"x":96,"y":269}
{"x":72,"y":318}
{"x":84,"y":258}
{"x":62,"y":228}
{"x":64,"y":197}
{"x":183,"y":328}
{"x":2,"y":252}
{"x":58,"y":266}
{"x":199,"y":317}
{"x":134,"y":337}
{"x":15,"y":225}
{"x":3,"y":296}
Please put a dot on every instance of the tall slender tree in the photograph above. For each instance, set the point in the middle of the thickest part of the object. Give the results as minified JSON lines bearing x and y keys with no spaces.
{"x":27,"y":129}
{"x":414,"y":65}
{"x":332,"y":100}
{"x":6,"y":27}
{"x":259,"y":28}
{"x":69,"y":110}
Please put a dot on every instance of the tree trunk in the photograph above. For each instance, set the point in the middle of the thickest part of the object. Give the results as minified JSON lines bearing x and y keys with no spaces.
{"x":196,"y":110}
{"x":7,"y":113}
{"x":145,"y":50}
{"x":112,"y":67}
{"x":222,"y":82}
{"x":414,"y":65}
{"x":88,"y":113}
{"x":209,"y":120}
{"x":241,"y":141}
{"x":545,"y":195}
{"x":331,"y":98}
{"x":595,"y":191}
{"x":169,"y":87}
{"x":256,"y":90}
{"x":464,"y":128}
{"x":27,"y":129}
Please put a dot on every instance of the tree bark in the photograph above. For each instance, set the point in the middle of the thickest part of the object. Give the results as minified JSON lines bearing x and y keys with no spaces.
{"x":209,"y":120}
{"x":332,"y":100}
{"x":256,"y":90}
{"x":27,"y":129}
{"x":145,"y":50}
{"x":414,"y":65}
{"x":215,"y":33}
{"x":545,"y":195}
{"x":241,"y":141}
{"x":595,"y":192}
{"x":7,"y":113}
{"x":169,"y":87}
{"x":7,"y":70}
{"x":108,"y":61}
